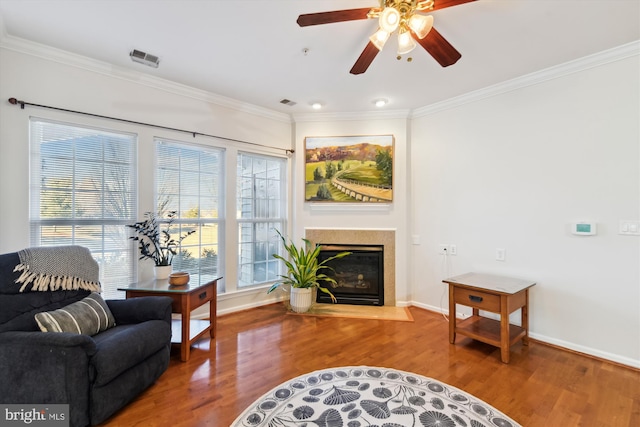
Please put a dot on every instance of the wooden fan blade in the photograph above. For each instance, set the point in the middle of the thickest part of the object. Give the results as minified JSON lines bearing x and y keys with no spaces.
{"x":333,"y":16}
{"x":366,"y":58}
{"x":441,"y":50}
{"x":441,"y":4}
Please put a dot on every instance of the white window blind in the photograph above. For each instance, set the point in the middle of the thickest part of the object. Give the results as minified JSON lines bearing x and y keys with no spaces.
{"x":261,"y":202}
{"x":83,"y":192}
{"x":189,"y":181}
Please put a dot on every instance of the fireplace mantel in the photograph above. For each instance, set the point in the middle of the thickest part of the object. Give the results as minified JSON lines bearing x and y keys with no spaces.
{"x":384,"y":237}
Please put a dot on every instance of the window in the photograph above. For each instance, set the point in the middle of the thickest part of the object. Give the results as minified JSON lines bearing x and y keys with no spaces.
{"x":188,"y":181}
{"x":261,"y":207}
{"x":83,"y":192}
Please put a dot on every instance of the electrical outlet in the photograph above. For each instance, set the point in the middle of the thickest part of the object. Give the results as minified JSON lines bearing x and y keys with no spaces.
{"x":453,"y":250}
{"x":501,"y":254}
{"x":442,"y":249}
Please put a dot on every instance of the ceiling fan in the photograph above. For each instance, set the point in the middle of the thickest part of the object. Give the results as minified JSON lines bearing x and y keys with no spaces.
{"x":392,"y":15}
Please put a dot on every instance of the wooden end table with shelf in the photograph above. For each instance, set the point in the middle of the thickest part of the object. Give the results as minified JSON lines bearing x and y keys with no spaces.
{"x":494,"y":294}
{"x":186,"y":298}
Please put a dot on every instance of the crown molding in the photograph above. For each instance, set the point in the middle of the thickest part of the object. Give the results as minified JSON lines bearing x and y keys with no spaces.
{"x":605,"y":57}
{"x":60,"y":56}
{"x":49,"y":53}
{"x":364,"y":115}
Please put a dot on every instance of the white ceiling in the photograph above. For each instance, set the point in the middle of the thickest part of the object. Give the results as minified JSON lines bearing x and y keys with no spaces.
{"x":252,"y":50}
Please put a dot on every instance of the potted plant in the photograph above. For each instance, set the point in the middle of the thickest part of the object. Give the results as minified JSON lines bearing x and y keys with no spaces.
{"x":304,"y":273}
{"x":157,"y":244}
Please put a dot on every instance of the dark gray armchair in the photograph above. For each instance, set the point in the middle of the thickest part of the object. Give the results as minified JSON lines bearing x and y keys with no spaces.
{"x":96,"y":375}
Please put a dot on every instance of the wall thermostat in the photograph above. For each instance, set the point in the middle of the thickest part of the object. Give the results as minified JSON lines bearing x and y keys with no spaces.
{"x":584,"y":228}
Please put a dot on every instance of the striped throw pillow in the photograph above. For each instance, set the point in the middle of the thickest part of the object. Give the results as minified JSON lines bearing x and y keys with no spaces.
{"x":88,"y":316}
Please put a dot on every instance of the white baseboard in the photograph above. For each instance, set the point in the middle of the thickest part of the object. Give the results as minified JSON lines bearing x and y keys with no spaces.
{"x":627,"y":361}
{"x":247,"y":306}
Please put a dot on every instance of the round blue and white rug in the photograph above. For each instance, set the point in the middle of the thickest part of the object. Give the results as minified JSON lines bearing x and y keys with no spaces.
{"x":364,"y":396}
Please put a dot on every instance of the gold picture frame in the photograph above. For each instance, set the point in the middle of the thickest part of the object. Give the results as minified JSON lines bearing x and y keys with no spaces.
{"x":349,"y":169}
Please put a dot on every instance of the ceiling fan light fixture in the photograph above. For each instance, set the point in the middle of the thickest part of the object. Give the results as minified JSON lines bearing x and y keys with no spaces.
{"x":395,"y":16}
{"x":379,"y":38}
{"x":389,"y":19}
{"x":421,"y":25}
{"x":405,"y":42}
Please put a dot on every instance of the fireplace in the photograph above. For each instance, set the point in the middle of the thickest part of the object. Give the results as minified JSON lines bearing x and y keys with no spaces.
{"x":366,"y":237}
{"x":359,"y":277}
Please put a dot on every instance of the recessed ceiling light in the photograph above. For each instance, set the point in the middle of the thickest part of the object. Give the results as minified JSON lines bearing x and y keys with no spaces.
{"x":316,"y":105}
{"x":381,"y":102}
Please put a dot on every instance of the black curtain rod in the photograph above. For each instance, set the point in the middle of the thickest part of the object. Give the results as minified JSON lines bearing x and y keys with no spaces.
{"x":14,"y":101}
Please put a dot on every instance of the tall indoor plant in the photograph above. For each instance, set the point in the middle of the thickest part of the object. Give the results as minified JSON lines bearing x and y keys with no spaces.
{"x":304,"y":273}
{"x":155,"y":243}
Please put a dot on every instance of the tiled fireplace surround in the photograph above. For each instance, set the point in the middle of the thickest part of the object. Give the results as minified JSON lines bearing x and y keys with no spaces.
{"x":386,"y":238}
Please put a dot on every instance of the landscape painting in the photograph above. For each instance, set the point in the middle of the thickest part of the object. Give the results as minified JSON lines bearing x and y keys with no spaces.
{"x":354,"y":169}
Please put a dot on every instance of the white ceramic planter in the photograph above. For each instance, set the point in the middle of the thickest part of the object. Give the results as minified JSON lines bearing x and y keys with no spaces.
{"x":301,"y":299}
{"x":162,"y":271}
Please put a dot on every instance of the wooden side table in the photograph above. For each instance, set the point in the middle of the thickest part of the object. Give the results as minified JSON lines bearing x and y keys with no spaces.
{"x":495,"y":294}
{"x":186,"y":298}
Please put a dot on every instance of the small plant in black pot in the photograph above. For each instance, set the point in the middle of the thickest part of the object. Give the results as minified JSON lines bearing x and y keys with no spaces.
{"x":154,"y":238}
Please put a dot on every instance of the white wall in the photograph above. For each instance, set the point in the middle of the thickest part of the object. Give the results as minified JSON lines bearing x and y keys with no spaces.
{"x":359,"y":215}
{"x":512,"y":171}
{"x":43,"y":76}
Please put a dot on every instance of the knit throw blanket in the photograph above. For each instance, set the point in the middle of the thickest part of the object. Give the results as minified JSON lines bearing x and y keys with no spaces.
{"x":58,"y":268}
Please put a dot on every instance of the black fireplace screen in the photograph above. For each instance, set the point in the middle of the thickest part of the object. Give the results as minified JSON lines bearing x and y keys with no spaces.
{"x":359,"y":277}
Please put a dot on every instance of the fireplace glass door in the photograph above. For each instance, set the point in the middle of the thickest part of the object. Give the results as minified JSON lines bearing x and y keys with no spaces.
{"x":359,"y":277}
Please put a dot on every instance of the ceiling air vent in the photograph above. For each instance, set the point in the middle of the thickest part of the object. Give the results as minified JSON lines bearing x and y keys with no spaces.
{"x":144,"y":58}
{"x":288,"y":102}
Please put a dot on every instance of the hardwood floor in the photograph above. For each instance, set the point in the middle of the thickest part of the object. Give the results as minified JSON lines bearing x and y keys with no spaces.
{"x":258,"y":349}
